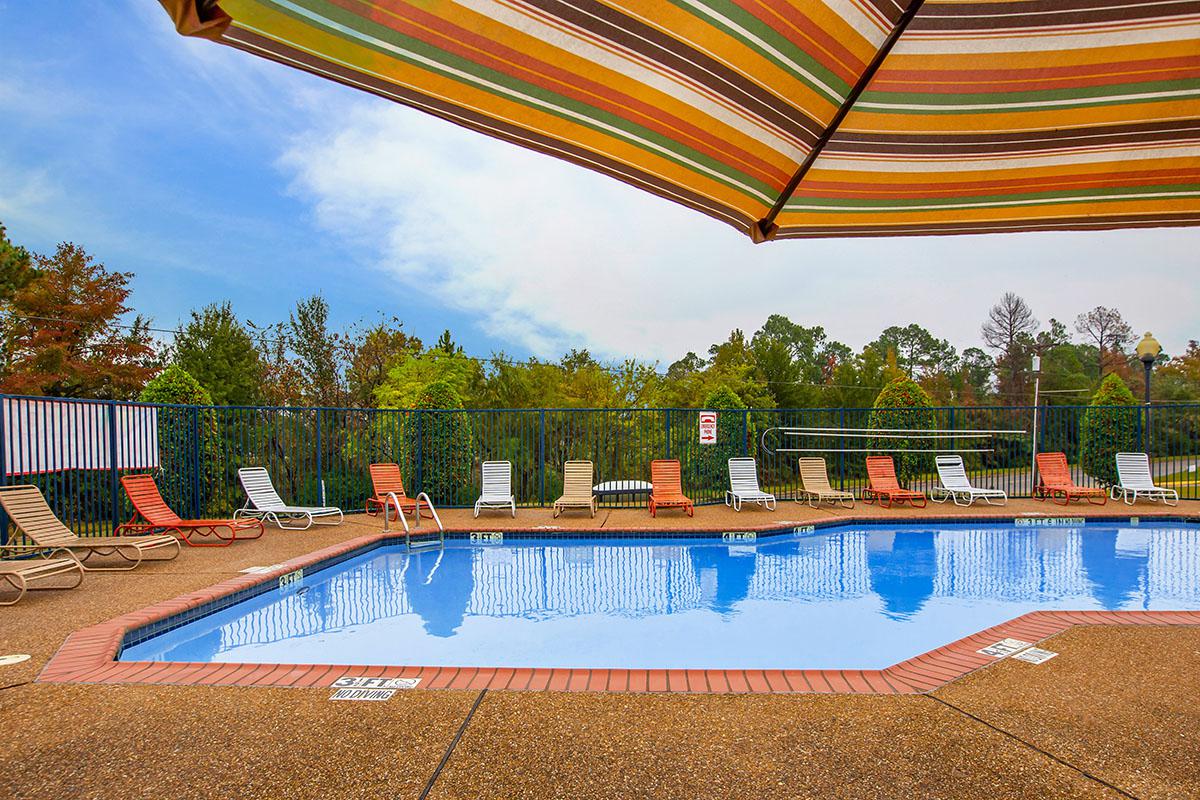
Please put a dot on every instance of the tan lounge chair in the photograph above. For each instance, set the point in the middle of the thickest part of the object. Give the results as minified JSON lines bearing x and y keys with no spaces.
{"x":28,"y":510}
{"x":19,"y":574}
{"x":577,"y":487}
{"x":815,"y":488}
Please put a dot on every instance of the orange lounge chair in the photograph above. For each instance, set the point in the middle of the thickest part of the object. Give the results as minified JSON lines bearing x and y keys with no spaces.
{"x":385,"y":479}
{"x":1054,"y":481}
{"x":158,"y":517}
{"x":881,"y":471}
{"x":667,"y":491}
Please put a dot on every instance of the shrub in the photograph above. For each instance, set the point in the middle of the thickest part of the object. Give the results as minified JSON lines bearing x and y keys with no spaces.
{"x":713,"y":472}
{"x":1107,"y":428}
{"x":175,"y":385}
{"x":904,"y":404}
{"x":443,"y":441}
{"x":187,"y":440}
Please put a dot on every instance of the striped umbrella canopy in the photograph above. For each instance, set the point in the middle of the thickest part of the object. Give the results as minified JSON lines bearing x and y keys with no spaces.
{"x":794,"y":118}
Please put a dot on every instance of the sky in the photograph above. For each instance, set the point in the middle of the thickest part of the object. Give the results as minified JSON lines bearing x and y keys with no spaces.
{"x":213,"y":175}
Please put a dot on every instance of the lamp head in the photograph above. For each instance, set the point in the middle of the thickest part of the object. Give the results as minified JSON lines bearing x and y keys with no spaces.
{"x":1148,"y":349}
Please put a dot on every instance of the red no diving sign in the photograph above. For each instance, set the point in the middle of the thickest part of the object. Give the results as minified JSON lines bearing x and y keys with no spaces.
{"x":708,"y":427}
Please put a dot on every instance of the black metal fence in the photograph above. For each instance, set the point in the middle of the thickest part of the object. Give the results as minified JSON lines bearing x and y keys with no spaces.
{"x":76,"y":450}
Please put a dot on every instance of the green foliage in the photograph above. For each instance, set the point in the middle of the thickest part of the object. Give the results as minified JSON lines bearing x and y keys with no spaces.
{"x":180,"y":454}
{"x":903,"y":404}
{"x":372,"y":352}
{"x":409,"y":378}
{"x":1107,"y":428}
{"x":442,"y":441}
{"x":723,"y":397}
{"x":16,"y":268}
{"x":175,"y":385}
{"x":917,"y":350}
{"x":319,"y":353}
{"x":216,"y":349}
{"x":731,"y":422}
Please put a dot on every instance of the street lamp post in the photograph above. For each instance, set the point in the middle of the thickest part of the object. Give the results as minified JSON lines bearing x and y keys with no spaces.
{"x":1148,"y":350}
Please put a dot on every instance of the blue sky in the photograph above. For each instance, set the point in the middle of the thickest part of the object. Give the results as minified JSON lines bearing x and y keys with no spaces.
{"x":213,"y":175}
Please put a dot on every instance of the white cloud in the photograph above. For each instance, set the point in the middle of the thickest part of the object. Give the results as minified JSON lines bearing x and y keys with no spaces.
{"x":548,"y":255}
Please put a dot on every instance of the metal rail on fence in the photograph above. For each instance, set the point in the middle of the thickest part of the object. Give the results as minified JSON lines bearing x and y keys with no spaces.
{"x":76,"y":450}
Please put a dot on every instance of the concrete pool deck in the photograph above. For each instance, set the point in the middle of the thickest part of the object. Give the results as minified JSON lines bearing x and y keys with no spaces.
{"x":1112,"y":715}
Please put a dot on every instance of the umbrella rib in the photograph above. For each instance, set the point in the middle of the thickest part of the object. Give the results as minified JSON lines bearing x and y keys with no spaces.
{"x":765,"y":228}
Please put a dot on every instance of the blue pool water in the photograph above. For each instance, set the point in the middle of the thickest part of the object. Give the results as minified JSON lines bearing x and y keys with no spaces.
{"x":844,"y":598}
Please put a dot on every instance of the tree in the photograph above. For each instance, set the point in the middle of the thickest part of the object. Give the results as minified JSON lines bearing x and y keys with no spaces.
{"x":409,"y":376}
{"x":1009,"y":330}
{"x":1178,"y":380}
{"x":318,"y":352}
{"x":174,"y":385}
{"x":903,"y":405}
{"x":713,"y":458}
{"x":181,"y":455}
{"x":370,"y":353}
{"x":217,"y":350}
{"x":1107,"y":428}
{"x":917,"y":349}
{"x":282,"y":381}
{"x":446,"y":344}
{"x":975,"y":370}
{"x":65,"y":338}
{"x":1108,"y":331}
{"x":441,"y":438}
{"x":794,"y":361}
{"x":16,"y":269}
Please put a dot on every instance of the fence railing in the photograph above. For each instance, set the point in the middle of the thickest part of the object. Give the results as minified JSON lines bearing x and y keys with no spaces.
{"x":76,"y":450}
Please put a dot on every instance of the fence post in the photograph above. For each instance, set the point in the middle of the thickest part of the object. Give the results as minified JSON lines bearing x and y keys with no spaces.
{"x":196,"y":463}
{"x":3,"y":465}
{"x":1140,"y":427}
{"x":842,"y":456}
{"x":320,"y":493}
{"x":542,"y":457}
{"x":667,"y":431}
{"x":420,"y":444}
{"x":746,"y":433}
{"x":112,"y":463}
{"x":951,"y":427}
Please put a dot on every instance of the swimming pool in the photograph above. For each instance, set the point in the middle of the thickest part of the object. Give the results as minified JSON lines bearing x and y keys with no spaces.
{"x":855,"y":597}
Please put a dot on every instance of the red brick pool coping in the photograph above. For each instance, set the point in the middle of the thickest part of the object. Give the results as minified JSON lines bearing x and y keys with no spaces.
{"x":88,"y":655}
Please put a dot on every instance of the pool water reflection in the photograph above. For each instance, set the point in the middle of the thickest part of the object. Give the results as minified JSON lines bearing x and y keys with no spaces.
{"x":845,"y":598}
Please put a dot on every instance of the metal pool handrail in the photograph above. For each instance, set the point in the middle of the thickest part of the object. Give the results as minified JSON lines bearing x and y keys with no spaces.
{"x":935,"y":435}
{"x":392,"y":499}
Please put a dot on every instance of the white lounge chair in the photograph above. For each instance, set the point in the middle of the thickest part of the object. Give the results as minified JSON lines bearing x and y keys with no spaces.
{"x":1134,"y":480}
{"x":263,"y":502}
{"x":743,"y":485}
{"x":497,"y":487}
{"x":957,"y":487}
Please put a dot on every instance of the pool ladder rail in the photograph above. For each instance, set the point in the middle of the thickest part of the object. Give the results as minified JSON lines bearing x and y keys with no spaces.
{"x":393,"y":500}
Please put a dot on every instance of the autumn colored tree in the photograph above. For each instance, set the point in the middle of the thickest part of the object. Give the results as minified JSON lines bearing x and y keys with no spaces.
{"x":65,"y":338}
{"x":370,"y":353}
